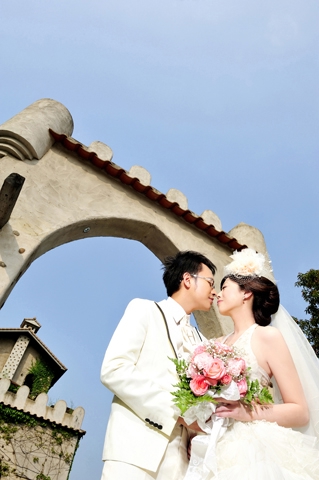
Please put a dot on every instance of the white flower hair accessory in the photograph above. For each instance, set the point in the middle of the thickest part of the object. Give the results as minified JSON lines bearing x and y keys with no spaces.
{"x":249,"y":263}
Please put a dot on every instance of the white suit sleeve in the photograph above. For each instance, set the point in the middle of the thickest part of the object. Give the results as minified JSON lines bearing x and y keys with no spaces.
{"x":143,"y":389}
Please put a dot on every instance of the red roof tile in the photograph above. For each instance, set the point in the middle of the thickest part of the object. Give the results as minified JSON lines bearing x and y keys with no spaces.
{"x":151,"y":193}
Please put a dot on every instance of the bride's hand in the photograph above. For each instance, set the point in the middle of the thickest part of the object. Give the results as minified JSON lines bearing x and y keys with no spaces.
{"x":193,"y":426}
{"x":234,"y":409}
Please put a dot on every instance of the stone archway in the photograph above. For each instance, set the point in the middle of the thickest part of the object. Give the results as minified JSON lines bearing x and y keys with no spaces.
{"x":72,"y":192}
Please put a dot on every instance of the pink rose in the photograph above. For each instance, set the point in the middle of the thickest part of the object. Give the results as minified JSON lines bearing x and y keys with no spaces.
{"x":242,"y":387}
{"x":211,"y":381}
{"x":202,"y":361}
{"x":192,"y":371}
{"x":199,"y":349}
{"x":243,"y":365}
{"x":216,"y":369}
{"x":226,"y":379}
{"x":211,"y":367}
{"x":198,"y":385}
{"x":236,"y":366}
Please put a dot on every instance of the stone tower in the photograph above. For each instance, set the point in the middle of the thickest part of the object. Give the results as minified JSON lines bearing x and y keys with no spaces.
{"x":20,"y":348}
{"x":37,"y":440}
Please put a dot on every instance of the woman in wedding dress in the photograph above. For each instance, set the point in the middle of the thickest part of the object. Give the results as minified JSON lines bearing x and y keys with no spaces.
{"x":266,"y":442}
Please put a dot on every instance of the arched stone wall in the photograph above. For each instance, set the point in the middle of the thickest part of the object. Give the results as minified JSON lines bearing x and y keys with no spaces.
{"x":72,"y":192}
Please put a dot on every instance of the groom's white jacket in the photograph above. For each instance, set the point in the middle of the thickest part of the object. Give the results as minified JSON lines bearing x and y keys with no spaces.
{"x":137,"y":369}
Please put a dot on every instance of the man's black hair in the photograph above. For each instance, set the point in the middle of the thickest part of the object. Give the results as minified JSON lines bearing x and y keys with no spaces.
{"x":175,"y":266}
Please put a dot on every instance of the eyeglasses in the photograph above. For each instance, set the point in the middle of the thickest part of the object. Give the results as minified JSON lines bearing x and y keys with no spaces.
{"x":211,"y":281}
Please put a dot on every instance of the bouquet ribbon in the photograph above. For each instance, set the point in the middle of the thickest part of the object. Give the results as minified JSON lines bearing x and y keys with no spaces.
{"x":203,"y":455}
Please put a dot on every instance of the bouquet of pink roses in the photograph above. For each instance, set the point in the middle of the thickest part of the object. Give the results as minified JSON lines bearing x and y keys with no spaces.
{"x":216,"y":370}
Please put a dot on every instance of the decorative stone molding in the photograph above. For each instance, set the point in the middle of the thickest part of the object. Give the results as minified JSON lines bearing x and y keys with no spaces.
{"x":12,"y":363}
{"x":177,"y":196}
{"x":141,"y":173}
{"x":103,"y":151}
{"x":212,"y":219}
{"x":39,"y":405}
{"x":26,"y":135}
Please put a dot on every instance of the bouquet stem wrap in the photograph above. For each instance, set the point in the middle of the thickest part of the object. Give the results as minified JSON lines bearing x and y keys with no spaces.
{"x":203,"y":454}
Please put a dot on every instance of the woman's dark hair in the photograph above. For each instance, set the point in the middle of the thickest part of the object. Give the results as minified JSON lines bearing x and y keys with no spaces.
{"x":175,"y":267}
{"x":266,"y":296}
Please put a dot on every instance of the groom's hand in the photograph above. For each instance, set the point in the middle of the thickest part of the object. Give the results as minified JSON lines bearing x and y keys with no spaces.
{"x":193,"y":426}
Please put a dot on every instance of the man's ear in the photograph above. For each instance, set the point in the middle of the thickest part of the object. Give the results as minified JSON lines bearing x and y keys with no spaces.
{"x":186,"y":280}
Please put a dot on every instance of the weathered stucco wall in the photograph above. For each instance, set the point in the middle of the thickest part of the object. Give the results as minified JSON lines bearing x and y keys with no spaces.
{"x":39,"y":445}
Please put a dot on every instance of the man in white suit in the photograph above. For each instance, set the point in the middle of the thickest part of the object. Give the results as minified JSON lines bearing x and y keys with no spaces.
{"x":145,"y":438}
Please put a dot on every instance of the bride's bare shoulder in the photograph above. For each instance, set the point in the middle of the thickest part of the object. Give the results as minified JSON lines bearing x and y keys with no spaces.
{"x":269,"y":334}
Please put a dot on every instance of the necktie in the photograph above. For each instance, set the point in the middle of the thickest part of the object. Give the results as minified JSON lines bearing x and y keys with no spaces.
{"x":188,"y":335}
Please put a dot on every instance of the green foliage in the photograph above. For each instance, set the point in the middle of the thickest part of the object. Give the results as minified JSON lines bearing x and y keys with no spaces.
{"x":5,"y":469}
{"x":72,"y":457}
{"x":257,"y":393}
{"x":42,"y":378}
{"x":68,"y":457}
{"x":41,"y":476}
{"x":184,"y":398}
{"x":15,"y":417}
{"x":309,"y":284}
{"x":13,"y":388}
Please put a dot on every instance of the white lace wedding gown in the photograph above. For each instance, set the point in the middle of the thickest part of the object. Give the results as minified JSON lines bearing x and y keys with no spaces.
{"x":258,"y":450}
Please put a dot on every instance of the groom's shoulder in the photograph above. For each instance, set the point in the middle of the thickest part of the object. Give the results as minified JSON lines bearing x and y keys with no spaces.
{"x":142,"y":308}
{"x":143,"y":303}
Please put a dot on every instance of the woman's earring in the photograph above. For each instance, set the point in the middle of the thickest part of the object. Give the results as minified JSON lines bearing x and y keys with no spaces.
{"x":244,"y":299}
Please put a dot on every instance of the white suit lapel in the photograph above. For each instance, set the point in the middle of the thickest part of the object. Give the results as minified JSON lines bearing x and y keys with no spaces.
{"x":168,"y":319}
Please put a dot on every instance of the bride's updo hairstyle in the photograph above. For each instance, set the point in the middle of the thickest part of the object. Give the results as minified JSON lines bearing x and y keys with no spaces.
{"x":266,"y":296}
{"x":252,"y":272}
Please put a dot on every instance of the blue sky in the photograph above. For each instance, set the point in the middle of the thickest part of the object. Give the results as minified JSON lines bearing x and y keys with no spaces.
{"x":217,"y":99}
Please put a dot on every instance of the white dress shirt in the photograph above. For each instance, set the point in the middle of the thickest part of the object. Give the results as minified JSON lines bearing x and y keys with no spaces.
{"x":177,"y":313}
